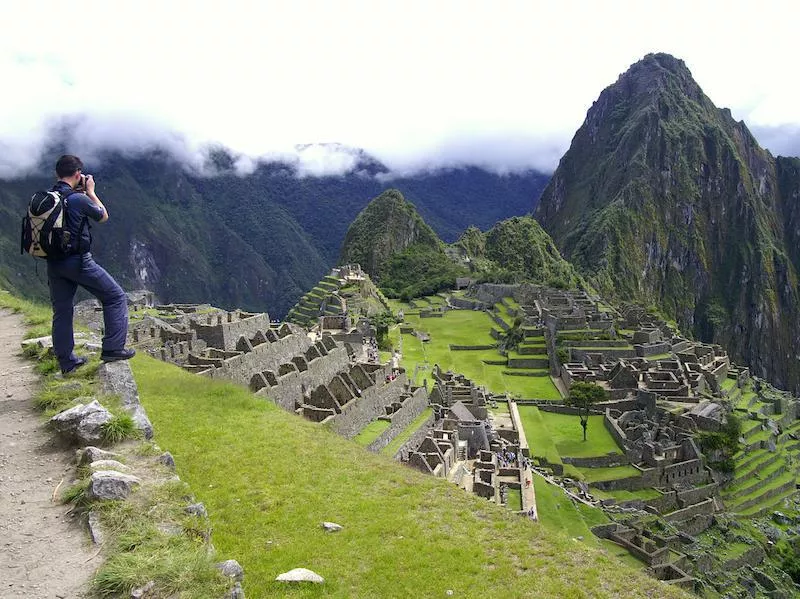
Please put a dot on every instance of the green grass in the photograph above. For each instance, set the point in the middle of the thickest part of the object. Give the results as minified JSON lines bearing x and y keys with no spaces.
{"x":564,"y":432}
{"x":398,"y":441}
{"x":37,"y":317}
{"x":664,"y":356}
{"x":465,"y":327}
{"x":557,"y":512}
{"x":594,"y":475}
{"x":761,"y":490}
{"x":119,"y":428}
{"x":623,"y":495}
{"x":57,"y":395}
{"x":371,"y":432}
{"x":138,"y":551}
{"x":622,"y":554}
{"x":514,"y":500}
{"x":728,"y":384}
{"x":539,"y":438}
{"x":405,"y":534}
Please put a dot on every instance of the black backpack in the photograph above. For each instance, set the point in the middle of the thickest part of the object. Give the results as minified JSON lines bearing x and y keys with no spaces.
{"x":44,"y":227}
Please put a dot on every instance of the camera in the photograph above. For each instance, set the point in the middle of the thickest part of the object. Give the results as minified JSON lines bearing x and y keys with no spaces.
{"x":81,"y":186}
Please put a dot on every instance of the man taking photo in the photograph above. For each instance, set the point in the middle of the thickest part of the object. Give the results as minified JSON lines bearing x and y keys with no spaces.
{"x":64,"y":274}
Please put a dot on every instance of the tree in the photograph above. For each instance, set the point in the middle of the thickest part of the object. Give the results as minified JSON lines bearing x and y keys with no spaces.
{"x":513,"y":336}
{"x":583,"y":396}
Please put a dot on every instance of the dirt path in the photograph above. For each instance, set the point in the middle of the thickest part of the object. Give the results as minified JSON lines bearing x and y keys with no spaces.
{"x":44,"y":553}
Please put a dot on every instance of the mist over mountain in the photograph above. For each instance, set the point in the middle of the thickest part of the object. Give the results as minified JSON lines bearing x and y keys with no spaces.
{"x":241,"y":233}
{"x":665,"y":198}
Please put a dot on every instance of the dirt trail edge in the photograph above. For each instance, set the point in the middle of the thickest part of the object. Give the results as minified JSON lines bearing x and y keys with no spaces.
{"x":44,"y":551}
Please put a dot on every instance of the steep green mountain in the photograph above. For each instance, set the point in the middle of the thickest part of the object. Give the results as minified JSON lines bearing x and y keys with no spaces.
{"x":665,"y":198}
{"x":519,"y":249}
{"x":164,"y":235}
{"x":395,"y":246}
{"x":255,"y":241}
{"x":386,"y":226}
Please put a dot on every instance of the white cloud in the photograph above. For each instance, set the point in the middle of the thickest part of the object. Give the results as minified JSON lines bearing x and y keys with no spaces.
{"x":419,"y":84}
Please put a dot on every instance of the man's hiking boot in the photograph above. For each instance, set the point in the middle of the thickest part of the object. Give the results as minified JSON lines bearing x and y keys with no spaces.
{"x":78,"y":363}
{"x":120,"y":354}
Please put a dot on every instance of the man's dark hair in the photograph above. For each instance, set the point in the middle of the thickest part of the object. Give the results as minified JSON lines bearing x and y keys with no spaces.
{"x":68,"y":165}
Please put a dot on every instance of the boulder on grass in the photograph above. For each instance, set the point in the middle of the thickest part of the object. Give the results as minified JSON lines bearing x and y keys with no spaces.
{"x":108,"y":484}
{"x":300,"y":575}
{"x":83,"y":422}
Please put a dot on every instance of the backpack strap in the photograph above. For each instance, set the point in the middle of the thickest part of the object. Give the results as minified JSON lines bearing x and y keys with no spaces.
{"x":84,"y":220}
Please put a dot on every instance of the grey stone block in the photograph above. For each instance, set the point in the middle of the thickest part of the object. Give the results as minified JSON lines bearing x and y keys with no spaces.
{"x":300,"y":575}
{"x":107,"y":484}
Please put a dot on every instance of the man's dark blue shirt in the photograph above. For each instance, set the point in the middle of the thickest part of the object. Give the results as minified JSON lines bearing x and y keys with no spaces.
{"x":79,"y":207}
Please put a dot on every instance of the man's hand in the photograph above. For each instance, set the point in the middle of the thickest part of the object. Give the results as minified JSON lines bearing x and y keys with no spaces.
{"x":88,"y":183}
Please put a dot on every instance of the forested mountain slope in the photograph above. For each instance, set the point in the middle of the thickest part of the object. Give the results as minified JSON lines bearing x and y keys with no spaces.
{"x":665,"y":198}
{"x":255,"y":241}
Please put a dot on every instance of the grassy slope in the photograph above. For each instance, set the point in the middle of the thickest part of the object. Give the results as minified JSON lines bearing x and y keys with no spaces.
{"x":269,"y":479}
{"x":468,"y":327}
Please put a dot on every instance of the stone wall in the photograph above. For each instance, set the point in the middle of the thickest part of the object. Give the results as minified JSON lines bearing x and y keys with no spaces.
{"x":491,"y":293}
{"x":223,"y":330}
{"x":579,"y":355}
{"x":690,"y":471}
{"x":291,"y":387}
{"x":413,"y":406}
{"x":464,"y":303}
{"x":416,"y":438}
{"x":360,"y":411}
{"x":666,"y":503}
{"x":697,"y":495}
{"x":472,"y":347}
{"x":605,"y":461}
{"x":696,"y":524}
{"x":652,"y":349}
{"x":703,"y":508}
{"x":266,"y":356}
{"x":753,"y":556}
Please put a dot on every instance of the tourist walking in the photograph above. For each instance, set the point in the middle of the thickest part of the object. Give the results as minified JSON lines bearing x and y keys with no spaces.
{"x":76,"y":267}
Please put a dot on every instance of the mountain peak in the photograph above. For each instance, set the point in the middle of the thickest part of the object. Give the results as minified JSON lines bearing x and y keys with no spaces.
{"x":387,"y":225}
{"x":663,"y":197}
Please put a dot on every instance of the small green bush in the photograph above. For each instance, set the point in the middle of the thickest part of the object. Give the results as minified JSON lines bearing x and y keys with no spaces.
{"x":47,"y":364}
{"x":120,"y":427}
{"x":76,"y":493}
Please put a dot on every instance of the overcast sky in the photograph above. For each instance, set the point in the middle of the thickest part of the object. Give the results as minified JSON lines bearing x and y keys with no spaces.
{"x":418,"y":84}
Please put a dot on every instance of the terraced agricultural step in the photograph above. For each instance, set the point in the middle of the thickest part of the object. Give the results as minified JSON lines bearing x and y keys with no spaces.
{"x":768,"y":506}
{"x":759,"y":458}
{"x":776,"y":487}
{"x":764,"y":477}
{"x":308,"y":313}
{"x":750,"y":428}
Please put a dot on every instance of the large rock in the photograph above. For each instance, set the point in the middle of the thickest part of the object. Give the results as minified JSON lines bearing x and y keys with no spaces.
{"x":92,"y":454}
{"x":109,"y":465}
{"x":95,"y":528}
{"x":116,"y":378}
{"x":196,"y":509}
{"x":83,"y":422}
{"x":300,"y":575}
{"x":108,"y":484}
{"x":231,"y":569}
{"x":90,"y":429}
{"x":47,"y":342}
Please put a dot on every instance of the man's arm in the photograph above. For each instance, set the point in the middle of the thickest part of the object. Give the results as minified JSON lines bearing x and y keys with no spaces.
{"x":94,"y":198}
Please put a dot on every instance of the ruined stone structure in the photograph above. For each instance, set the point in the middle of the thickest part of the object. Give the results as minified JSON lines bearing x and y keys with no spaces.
{"x":310,"y":374}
